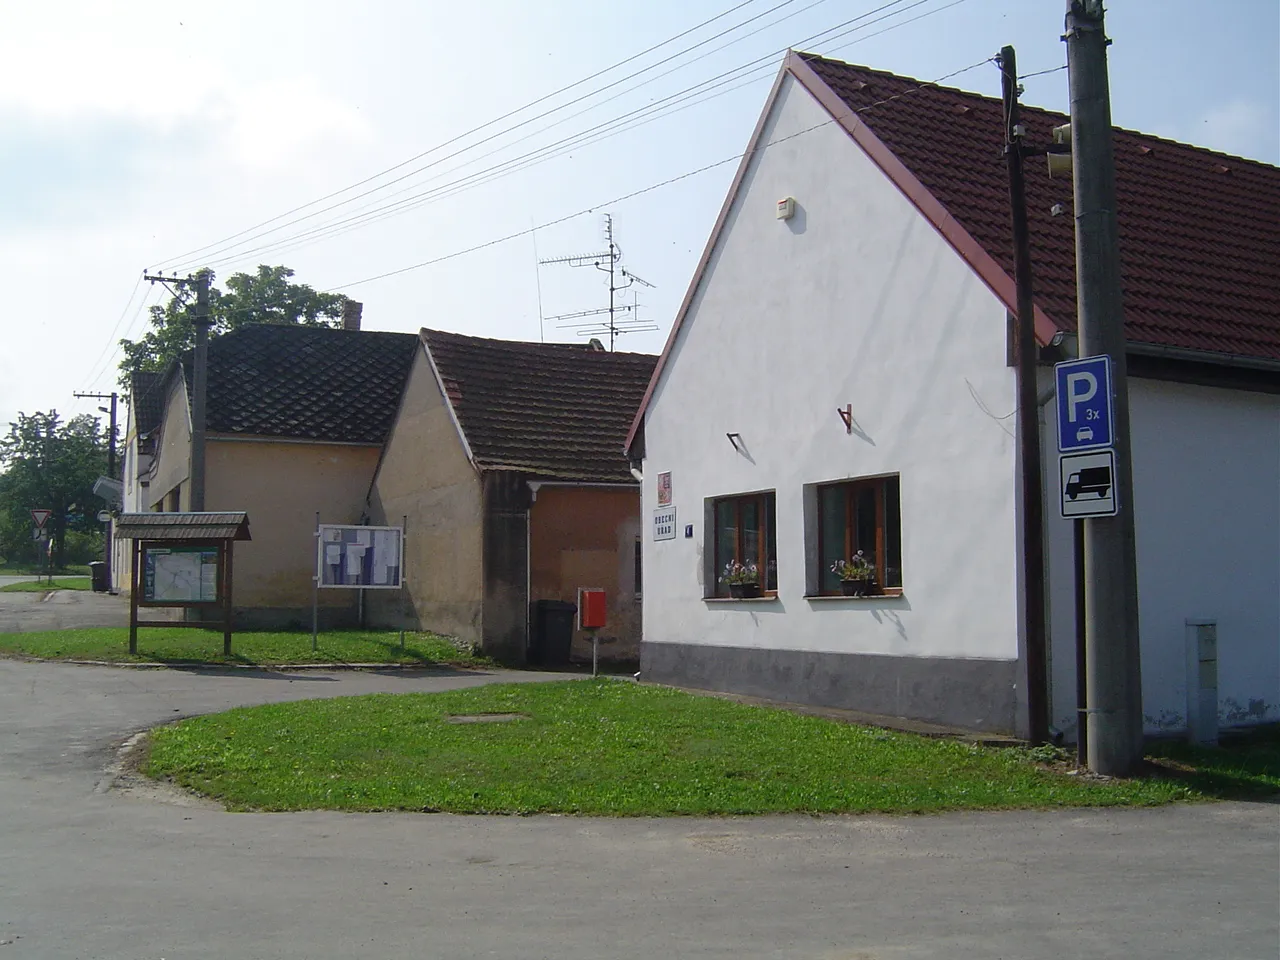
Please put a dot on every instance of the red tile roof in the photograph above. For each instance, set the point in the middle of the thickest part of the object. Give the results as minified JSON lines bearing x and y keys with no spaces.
{"x":559,"y":411}
{"x":1199,"y":230}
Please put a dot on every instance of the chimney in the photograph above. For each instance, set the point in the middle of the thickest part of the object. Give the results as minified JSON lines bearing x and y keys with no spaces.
{"x":351,"y":310}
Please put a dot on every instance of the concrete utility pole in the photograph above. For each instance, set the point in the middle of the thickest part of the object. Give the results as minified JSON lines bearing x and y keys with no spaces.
{"x":1028,"y":415}
{"x":200,"y":379}
{"x":199,"y":376}
{"x":1113,"y":657}
{"x":111,"y":465}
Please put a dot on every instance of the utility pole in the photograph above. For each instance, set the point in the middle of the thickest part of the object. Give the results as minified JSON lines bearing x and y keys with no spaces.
{"x":1028,"y":414}
{"x":199,"y":377}
{"x":609,"y":261}
{"x":1113,"y":655}
{"x":111,"y":467}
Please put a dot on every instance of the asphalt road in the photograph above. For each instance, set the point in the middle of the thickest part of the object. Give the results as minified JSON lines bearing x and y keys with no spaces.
{"x":87,"y":870}
{"x":62,"y":610}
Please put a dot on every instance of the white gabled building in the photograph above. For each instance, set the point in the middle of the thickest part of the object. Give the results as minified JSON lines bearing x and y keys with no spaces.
{"x":840,"y":379}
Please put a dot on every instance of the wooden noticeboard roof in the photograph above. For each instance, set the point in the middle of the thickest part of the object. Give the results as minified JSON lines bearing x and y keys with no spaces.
{"x":182,"y":526}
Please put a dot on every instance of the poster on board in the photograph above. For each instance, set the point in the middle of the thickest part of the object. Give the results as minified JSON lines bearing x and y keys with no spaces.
{"x":369,"y":558}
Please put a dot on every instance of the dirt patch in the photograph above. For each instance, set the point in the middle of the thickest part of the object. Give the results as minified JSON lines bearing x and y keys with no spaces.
{"x":124,"y":776}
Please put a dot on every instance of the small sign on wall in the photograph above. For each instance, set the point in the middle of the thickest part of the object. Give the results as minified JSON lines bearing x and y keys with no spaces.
{"x":664,"y":489}
{"x":664,"y":523}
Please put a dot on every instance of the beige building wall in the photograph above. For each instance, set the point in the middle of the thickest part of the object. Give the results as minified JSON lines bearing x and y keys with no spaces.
{"x":173,"y":452}
{"x":583,"y":536}
{"x":425,"y":475}
{"x":282,"y":484}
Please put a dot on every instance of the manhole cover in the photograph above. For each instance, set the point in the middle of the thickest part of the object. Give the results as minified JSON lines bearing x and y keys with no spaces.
{"x":486,"y":717}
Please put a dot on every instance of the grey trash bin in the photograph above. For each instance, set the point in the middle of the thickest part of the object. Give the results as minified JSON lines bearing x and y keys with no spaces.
{"x":98,"y":574}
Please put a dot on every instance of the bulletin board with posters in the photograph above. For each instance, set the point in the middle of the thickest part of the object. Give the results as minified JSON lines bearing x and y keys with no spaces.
{"x":364,"y":558}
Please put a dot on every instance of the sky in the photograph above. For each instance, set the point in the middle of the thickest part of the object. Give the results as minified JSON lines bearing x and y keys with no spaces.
{"x":160,"y":135}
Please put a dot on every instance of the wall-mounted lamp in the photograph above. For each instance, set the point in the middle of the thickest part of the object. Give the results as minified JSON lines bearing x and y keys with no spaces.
{"x":736,"y":440}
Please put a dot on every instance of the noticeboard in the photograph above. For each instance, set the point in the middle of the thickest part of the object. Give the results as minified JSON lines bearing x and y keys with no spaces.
{"x":180,"y":575}
{"x":367,"y":558}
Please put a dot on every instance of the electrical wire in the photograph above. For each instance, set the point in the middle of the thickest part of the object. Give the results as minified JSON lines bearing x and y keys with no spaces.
{"x":1041,"y":73}
{"x":97,"y":369}
{"x":649,"y":189}
{"x":704,"y":91}
{"x":519,"y":110}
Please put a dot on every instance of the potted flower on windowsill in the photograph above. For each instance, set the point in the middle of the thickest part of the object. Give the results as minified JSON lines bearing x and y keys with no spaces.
{"x":857,"y":576}
{"x":743,"y":580}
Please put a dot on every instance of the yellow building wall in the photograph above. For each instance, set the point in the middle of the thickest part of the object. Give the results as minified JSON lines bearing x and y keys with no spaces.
{"x":586,"y":536}
{"x":173,"y":451}
{"x":425,"y":475}
{"x":282,"y":485}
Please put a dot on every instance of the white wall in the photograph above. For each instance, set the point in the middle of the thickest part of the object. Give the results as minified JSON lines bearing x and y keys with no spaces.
{"x":856,"y":300}
{"x":1206,"y":465}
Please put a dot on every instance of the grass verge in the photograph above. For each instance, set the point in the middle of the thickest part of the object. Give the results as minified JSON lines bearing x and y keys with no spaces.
{"x":26,"y":570}
{"x":44,"y":586}
{"x":605,"y":747}
{"x":261,"y":648}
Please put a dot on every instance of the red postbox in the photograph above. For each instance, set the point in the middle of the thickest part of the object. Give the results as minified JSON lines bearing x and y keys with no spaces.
{"x":592,"y":608}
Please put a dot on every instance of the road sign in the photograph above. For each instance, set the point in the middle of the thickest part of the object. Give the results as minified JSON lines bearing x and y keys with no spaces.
{"x":41,"y":517}
{"x":39,"y":534}
{"x":1088,"y":484}
{"x":1086,"y":419}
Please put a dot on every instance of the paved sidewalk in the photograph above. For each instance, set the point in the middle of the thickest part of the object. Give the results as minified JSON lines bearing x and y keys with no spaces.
{"x":86,"y":871}
{"x":61,"y":610}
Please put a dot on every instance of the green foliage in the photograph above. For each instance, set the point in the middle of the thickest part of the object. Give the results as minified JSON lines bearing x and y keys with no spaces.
{"x":600,"y":747}
{"x":51,"y":464}
{"x":263,"y":297}
{"x":259,"y":647}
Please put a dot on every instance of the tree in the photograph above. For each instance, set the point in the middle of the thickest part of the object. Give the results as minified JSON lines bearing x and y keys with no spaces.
{"x":50,"y":464}
{"x":263,"y":297}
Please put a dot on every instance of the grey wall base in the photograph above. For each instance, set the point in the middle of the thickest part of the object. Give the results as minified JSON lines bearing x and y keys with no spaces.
{"x":970,"y":694}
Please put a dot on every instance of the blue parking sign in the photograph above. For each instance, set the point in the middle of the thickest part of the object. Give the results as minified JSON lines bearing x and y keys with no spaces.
{"x":1085,"y":410}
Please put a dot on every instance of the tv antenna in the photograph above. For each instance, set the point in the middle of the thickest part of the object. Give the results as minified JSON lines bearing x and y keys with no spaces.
{"x":622,"y":317}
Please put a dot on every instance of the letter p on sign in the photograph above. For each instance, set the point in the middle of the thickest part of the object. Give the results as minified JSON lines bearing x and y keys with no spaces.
{"x":1081,"y":388}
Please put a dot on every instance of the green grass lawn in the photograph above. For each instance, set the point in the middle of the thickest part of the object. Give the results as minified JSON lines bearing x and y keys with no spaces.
{"x":26,"y":570}
{"x":617,"y":748}
{"x":43,"y":586}
{"x":184,"y":645}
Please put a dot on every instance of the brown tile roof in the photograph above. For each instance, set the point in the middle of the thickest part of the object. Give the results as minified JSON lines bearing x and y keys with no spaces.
{"x":555,"y":410}
{"x":307,"y":383}
{"x":147,"y":401}
{"x":182,"y":526}
{"x":1199,"y":230}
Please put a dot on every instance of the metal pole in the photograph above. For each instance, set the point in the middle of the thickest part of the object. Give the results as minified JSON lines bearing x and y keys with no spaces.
{"x":404,"y":526}
{"x":1028,"y":416}
{"x":1082,"y":687}
{"x":595,"y":654}
{"x":111,"y":472}
{"x":1114,"y":673}
{"x":315,"y":589}
{"x":199,"y":384}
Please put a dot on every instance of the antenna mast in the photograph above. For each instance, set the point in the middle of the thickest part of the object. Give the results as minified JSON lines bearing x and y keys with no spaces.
{"x":607,"y":261}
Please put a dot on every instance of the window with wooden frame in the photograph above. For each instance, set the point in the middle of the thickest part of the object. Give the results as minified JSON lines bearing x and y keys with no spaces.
{"x":861,"y":515}
{"x":744,"y":531}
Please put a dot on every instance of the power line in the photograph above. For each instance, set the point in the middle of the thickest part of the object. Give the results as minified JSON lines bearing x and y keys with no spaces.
{"x":650,"y":188}
{"x":698,"y":93}
{"x":519,"y":110}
